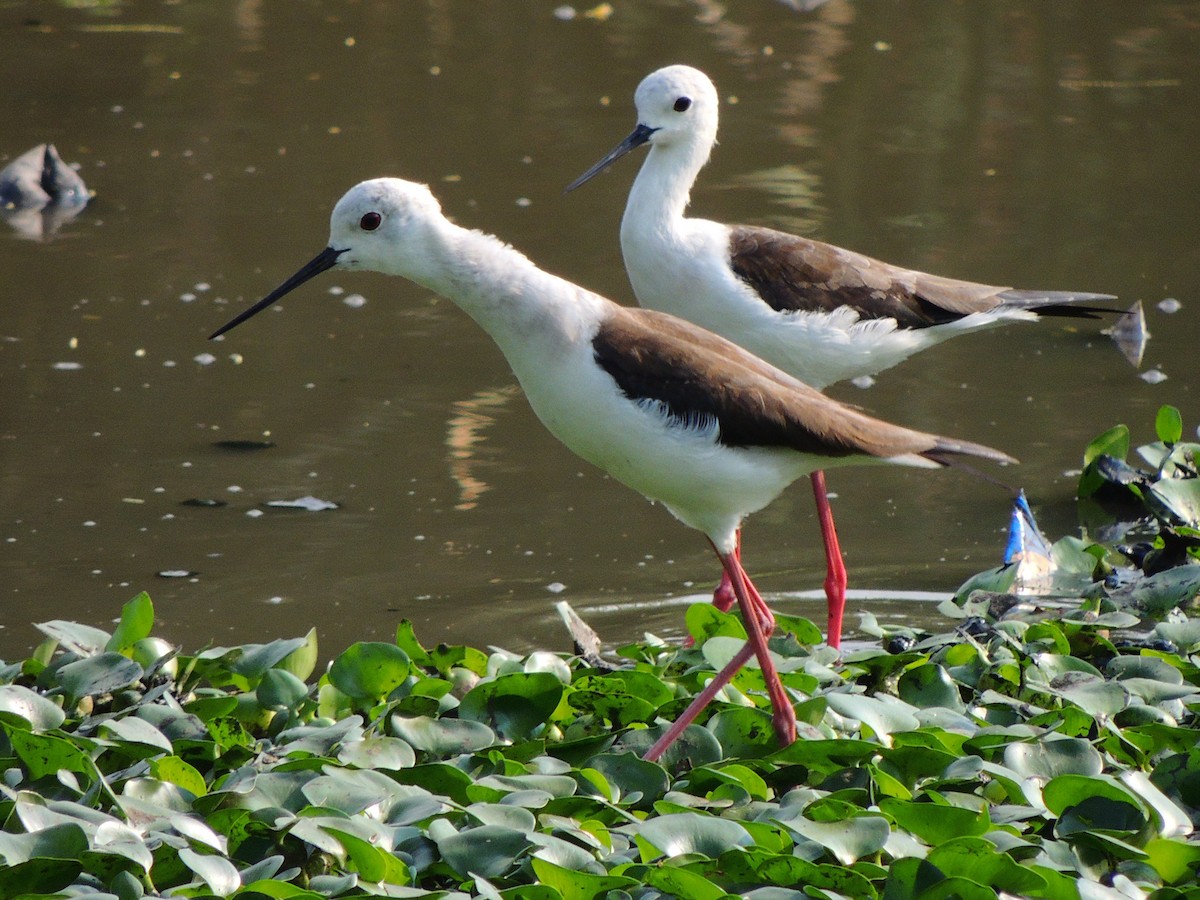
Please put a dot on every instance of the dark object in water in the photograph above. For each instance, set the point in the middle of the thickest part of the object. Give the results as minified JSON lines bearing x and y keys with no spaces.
{"x":243,"y":445}
{"x":39,"y":177}
{"x":203,"y":502}
{"x":39,"y":192}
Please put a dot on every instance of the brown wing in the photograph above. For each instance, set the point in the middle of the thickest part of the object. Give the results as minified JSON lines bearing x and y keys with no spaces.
{"x":697,"y":375}
{"x":792,"y":273}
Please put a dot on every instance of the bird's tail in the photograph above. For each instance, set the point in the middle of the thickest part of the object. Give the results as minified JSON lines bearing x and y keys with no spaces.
{"x":1060,"y":303}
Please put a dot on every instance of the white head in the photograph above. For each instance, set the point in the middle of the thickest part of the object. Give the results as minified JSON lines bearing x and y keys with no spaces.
{"x":677,"y":111}
{"x":383,"y":225}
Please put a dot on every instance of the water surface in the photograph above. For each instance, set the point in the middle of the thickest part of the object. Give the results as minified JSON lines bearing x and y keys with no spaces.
{"x":1022,"y":143}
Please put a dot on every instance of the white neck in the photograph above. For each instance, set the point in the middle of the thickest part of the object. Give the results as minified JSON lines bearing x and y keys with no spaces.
{"x":662,"y":189}
{"x":514,"y":301}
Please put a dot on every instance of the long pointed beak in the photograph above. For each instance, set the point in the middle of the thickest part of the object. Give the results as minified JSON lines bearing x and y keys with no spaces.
{"x":636,"y":138}
{"x":324,"y":260}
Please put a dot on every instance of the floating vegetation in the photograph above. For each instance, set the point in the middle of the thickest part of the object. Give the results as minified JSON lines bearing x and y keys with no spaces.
{"x":1051,"y":754}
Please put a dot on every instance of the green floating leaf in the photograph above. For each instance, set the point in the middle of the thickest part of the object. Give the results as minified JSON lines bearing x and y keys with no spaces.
{"x":515,"y":705}
{"x":1168,"y":424}
{"x":882,"y":714}
{"x":1070,"y":790}
{"x":443,"y":737}
{"x":216,"y":871}
{"x":1114,"y":443}
{"x":636,"y":778}
{"x":38,"y":877}
{"x":28,"y":709}
{"x":683,"y":833}
{"x":369,"y":670}
{"x":374,"y":864}
{"x":96,"y":675}
{"x":137,"y":621}
{"x":46,"y":754}
{"x":83,"y":640}
{"x":1094,"y":814}
{"x":255,"y":659}
{"x":489,"y":850}
{"x":280,"y":690}
{"x":928,"y":686}
{"x":743,"y":732}
{"x":572,"y":885}
{"x":909,"y":878}
{"x":935,"y":823}
{"x":849,"y":840}
{"x":1048,"y":759}
{"x":180,"y":773}
{"x":979,"y":861}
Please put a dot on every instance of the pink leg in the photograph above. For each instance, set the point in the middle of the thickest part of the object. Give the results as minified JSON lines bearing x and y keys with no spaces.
{"x":835,"y":568}
{"x":759,"y":625}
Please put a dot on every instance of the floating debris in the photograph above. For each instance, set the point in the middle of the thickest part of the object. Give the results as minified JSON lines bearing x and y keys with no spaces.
{"x":39,"y":192}
{"x":355,"y":301}
{"x":243,"y":446}
{"x":863,"y":381}
{"x":1168,"y":305}
{"x":204,"y":359}
{"x":68,"y":366}
{"x":1153,"y":376}
{"x":203,"y":502}
{"x":1130,"y":335}
{"x":1029,"y":550}
{"x":176,"y":573}
{"x":309,"y":503}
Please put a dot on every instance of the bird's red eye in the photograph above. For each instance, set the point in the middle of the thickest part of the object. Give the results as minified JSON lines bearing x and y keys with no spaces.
{"x":370,"y":221}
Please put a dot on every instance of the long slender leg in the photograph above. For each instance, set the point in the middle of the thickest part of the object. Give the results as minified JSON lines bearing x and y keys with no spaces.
{"x":759,"y":625}
{"x":723,"y":595}
{"x":835,"y":567}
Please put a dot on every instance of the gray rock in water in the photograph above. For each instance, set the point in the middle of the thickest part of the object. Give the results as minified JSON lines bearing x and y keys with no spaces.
{"x":39,"y":192}
{"x":39,"y":178}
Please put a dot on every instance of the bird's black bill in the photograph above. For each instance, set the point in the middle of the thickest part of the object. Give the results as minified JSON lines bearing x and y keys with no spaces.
{"x":637,"y":137}
{"x":324,"y":260}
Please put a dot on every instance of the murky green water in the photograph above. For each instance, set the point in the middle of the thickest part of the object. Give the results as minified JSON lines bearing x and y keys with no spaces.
{"x":1024,"y":143}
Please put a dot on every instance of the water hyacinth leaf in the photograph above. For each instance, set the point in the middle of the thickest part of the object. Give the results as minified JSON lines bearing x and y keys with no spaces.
{"x":64,"y":841}
{"x":1168,"y":424}
{"x":676,"y":882}
{"x":978,"y":860}
{"x":38,"y":877}
{"x":1047,"y":759}
{"x":23,"y":708}
{"x":133,"y":730}
{"x":849,"y":840}
{"x":137,"y":621}
{"x":909,"y":878}
{"x":46,"y":754}
{"x":100,"y":674}
{"x":280,"y":690}
{"x":515,"y":705}
{"x":883,"y":714}
{"x":743,"y":732}
{"x":1114,"y":443}
{"x":1175,"y":861}
{"x":255,"y":659}
{"x":631,"y":775}
{"x":1179,"y":498}
{"x":216,"y":871}
{"x":373,"y":864}
{"x":1071,"y":790}
{"x":180,"y":773}
{"x":378,"y":752}
{"x":1172,"y":820}
{"x":935,"y":823}
{"x":682,"y":833}
{"x":369,"y":670}
{"x":351,"y":791}
{"x":83,"y":640}
{"x":1100,"y":814}
{"x":443,"y":737}
{"x":1091,"y":693}
{"x":929,"y":686}
{"x":489,"y":850}
{"x":572,"y":885}
{"x":301,"y":661}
